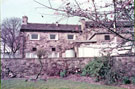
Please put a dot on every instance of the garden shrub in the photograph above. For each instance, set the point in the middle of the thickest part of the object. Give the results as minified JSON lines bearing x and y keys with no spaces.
{"x":73,"y":70}
{"x":63,"y":73}
{"x":133,"y":80}
{"x":99,"y":67}
{"x":83,"y":72}
{"x":126,"y":80}
{"x":68,"y":71}
{"x":104,"y":68}
{"x":92,"y":68}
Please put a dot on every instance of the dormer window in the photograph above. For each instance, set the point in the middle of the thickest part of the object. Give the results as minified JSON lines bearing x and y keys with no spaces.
{"x":70,"y":37}
{"x":107,"y":37}
{"x":53,"y":36}
{"x":34,"y":37}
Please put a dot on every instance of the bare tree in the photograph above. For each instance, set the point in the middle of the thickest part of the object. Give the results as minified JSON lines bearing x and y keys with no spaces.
{"x":113,"y":15}
{"x":10,"y":34}
{"x":40,"y":53}
{"x":123,"y":10}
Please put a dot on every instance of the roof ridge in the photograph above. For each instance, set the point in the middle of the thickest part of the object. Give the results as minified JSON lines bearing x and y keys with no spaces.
{"x":54,"y":24}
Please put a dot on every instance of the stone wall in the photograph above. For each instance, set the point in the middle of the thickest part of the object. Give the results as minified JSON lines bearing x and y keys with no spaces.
{"x":25,"y":68}
{"x":22,"y":68}
{"x":126,"y":59}
{"x":45,"y":43}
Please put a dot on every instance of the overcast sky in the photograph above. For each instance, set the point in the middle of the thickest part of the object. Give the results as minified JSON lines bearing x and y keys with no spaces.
{"x":19,"y":8}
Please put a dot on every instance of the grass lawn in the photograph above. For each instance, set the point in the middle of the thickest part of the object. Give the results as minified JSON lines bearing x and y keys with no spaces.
{"x":50,"y":84}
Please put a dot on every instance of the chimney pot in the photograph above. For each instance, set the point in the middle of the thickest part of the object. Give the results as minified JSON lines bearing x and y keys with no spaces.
{"x":57,"y":24}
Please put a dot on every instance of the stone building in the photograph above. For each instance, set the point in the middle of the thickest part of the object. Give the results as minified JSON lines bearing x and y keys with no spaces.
{"x":62,"y":40}
{"x":57,"y":39}
{"x":105,"y":41}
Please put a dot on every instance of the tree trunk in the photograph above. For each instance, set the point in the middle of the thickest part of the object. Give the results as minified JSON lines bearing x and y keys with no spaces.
{"x":41,"y":67}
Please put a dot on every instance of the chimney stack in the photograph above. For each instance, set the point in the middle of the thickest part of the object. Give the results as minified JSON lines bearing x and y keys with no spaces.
{"x":57,"y":24}
{"x":83,"y":22}
{"x":25,"y":20}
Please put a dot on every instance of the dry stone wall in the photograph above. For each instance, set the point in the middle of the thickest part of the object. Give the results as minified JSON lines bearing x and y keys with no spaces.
{"x":26,"y":68}
{"x":23,"y":68}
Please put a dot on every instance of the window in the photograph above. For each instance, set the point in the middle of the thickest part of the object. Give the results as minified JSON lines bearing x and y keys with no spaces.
{"x":34,"y":49}
{"x":107,"y":37}
{"x":34,"y":36}
{"x":70,"y":37}
{"x":53,"y":37}
{"x":53,"y":49}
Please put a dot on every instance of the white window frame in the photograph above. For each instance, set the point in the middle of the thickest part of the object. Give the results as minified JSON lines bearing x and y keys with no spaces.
{"x":73,"y":36}
{"x":34,"y":39}
{"x":56,"y":36}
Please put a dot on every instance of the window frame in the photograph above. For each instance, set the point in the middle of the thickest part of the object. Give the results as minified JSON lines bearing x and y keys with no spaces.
{"x":73,"y":36}
{"x":38,"y":36}
{"x":107,"y":37}
{"x":56,"y":36}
